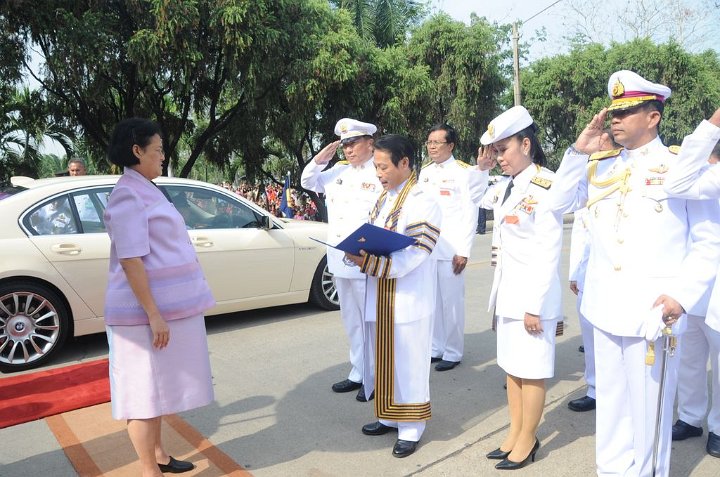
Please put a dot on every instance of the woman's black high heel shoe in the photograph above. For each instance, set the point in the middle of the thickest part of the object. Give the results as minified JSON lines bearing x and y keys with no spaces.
{"x":508,"y":464}
{"x":498,"y":454}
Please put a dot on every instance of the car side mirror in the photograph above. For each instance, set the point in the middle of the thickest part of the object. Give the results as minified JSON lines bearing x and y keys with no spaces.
{"x":265,"y":222}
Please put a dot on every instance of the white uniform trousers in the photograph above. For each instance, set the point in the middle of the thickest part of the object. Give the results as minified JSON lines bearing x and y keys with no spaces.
{"x":412,"y":372}
{"x":448,"y":339}
{"x":698,"y":342}
{"x":625,"y":413}
{"x":586,"y":330}
{"x":351,"y":292}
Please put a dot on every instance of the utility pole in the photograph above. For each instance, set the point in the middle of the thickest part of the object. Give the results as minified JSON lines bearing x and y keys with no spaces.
{"x":516,"y":63}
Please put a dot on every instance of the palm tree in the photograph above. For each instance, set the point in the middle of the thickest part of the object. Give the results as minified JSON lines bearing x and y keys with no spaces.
{"x":386,"y":22}
{"x":22,"y":131}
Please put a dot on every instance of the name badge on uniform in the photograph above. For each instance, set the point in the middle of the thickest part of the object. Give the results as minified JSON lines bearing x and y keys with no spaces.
{"x":368,"y":186}
{"x":512,"y":219}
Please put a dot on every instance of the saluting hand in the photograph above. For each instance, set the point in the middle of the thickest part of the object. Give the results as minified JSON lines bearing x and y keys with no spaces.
{"x":326,"y":153}
{"x":590,"y":139}
{"x":486,"y":158}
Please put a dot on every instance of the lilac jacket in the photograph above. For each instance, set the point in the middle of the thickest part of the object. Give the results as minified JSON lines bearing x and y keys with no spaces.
{"x":142,"y":223}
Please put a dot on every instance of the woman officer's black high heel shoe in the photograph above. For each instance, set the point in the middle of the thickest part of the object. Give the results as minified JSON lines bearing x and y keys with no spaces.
{"x":508,"y":464}
{"x":498,"y":454}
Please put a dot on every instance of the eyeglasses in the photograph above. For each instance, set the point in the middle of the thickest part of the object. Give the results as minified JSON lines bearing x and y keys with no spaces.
{"x":435,"y":143}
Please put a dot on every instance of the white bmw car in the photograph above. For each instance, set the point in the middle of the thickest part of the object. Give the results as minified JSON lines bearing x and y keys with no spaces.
{"x":54,"y":254}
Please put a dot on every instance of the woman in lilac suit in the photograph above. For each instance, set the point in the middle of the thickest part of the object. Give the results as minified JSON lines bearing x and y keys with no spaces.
{"x":154,"y":303}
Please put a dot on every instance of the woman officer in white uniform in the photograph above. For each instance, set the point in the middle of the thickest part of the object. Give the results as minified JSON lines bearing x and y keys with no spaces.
{"x":526,"y":289}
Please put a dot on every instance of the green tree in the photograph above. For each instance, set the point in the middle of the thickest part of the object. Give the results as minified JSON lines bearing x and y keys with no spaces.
{"x":386,"y":22}
{"x":467,"y":68}
{"x":209,"y":72}
{"x":562,"y":93}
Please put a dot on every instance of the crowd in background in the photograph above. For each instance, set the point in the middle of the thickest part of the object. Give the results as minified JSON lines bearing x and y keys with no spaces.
{"x":299,"y":204}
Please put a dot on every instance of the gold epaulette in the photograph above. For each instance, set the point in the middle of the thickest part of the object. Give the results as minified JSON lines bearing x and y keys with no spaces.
{"x":541,"y":182}
{"x":426,"y":164}
{"x":463,"y":164}
{"x":600,"y":155}
{"x":343,"y":163}
{"x":674,"y":149}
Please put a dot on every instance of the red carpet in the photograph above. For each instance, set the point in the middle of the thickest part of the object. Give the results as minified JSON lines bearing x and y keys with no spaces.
{"x":32,"y":396}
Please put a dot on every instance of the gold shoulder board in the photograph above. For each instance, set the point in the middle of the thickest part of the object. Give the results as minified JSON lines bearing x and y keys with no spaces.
{"x":674,"y":149}
{"x":600,"y":155}
{"x":343,"y":163}
{"x":426,"y":164}
{"x":463,"y":164}
{"x":541,"y":182}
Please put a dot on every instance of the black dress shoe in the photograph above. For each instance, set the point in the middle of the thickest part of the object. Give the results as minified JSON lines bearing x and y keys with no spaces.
{"x":376,"y":428}
{"x":583,"y":404}
{"x":446,"y":365}
{"x":404,"y":448}
{"x":345,"y":386}
{"x":508,"y":464}
{"x":681,"y":430}
{"x":361,"y":395}
{"x":498,"y":454}
{"x":435,"y":359}
{"x":176,"y":466}
{"x":713,"y":445}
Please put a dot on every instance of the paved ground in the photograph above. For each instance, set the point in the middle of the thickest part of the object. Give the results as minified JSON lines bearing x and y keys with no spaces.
{"x":276,"y":416}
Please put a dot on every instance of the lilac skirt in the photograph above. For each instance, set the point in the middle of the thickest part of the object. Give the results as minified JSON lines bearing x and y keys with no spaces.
{"x":146,"y":382}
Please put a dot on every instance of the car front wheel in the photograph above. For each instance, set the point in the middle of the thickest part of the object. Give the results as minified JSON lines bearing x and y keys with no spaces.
{"x":34,"y":324}
{"x":322,"y":291}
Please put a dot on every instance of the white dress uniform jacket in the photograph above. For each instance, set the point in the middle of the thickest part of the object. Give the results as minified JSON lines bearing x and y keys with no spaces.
{"x":350,"y":193}
{"x":643,"y":243}
{"x":454,"y":185}
{"x":529,"y":241}
{"x":694,"y":178}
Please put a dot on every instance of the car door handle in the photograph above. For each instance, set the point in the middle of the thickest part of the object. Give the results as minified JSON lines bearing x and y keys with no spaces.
{"x":202,"y":242}
{"x":66,"y":248}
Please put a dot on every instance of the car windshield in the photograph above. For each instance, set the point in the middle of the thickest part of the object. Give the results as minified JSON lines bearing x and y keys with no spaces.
{"x":7,"y":191}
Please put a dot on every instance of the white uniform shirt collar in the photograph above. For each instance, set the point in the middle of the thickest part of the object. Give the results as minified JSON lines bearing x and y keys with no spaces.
{"x":445,"y":163}
{"x":521,"y":181}
{"x":364,"y":165}
{"x":643,"y":151}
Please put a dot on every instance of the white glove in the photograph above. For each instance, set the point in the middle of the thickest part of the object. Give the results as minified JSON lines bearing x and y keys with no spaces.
{"x":653,"y":323}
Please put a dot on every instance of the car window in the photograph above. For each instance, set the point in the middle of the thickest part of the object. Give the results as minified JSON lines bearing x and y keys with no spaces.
{"x":90,"y":206}
{"x":207,"y":209}
{"x":54,"y":217}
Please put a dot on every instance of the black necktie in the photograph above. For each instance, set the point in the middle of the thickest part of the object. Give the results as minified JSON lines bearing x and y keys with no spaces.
{"x":507,"y":192}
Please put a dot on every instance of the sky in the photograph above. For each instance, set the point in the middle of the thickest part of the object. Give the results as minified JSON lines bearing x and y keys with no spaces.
{"x":560,"y":21}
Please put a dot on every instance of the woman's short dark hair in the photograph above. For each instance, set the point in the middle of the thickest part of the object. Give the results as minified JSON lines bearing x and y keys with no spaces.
{"x":128,"y":133}
{"x":450,"y":133}
{"x":536,"y":152}
{"x":398,"y":146}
